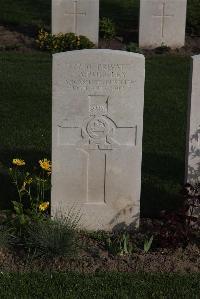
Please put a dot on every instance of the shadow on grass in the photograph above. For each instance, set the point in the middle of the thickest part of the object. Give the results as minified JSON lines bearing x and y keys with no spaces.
{"x":162,"y":182}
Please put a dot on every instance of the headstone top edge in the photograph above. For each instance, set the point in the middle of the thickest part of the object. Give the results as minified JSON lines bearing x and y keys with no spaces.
{"x":160,"y":1}
{"x":100,"y":51}
{"x":196,"y":57}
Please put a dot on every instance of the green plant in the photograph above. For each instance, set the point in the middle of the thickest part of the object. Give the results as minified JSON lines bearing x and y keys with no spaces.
{"x":120,"y":244}
{"x":53,"y":237}
{"x":107,"y":29}
{"x":148,"y":244}
{"x":62,"y":42}
{"x":133,"y":47}
{"x":31,"y":190}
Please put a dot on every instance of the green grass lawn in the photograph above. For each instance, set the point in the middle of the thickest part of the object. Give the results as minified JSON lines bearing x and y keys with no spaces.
{"x":103,"y":285}
{"x":25,"y":12}
{"x":25,"y":121}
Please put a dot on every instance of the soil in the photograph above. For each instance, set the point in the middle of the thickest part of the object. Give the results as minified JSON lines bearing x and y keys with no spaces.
{"x":14,"y":39}
{"x":22,"y":39}
{"x":93,"y":255}
{"x":96,"y":259}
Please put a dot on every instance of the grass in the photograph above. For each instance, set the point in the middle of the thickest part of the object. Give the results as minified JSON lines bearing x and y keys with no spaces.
{"x":25,"y":12}
{"x":102,"y":285}
{"x":25,"y":122}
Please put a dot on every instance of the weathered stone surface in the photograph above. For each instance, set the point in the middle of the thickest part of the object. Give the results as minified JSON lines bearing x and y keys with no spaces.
{"x":78,"y":16}
{"x":97,"y":135}
{"x":193,"y":132}
{"x":162,"y":22}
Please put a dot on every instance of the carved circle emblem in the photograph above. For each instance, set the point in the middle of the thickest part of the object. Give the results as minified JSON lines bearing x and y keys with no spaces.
{"x":98,"y":128}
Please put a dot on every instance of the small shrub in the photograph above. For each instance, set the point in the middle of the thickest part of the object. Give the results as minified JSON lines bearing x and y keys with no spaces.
{"x":120,"y":244}
{"x":53,"y":237}
{"x":133,"y":47}
{"x":62,"y":42}
{"x":107,"y":29}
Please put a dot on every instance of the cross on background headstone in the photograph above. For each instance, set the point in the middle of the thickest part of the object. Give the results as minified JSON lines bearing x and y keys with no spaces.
{"x":75,"y":13}
{"x":162,"y":17}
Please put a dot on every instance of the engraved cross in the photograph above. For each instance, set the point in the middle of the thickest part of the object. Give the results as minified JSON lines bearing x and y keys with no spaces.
{"x":163,"y":16}
{"x":98,"y":135}
{"x":75,"y":13}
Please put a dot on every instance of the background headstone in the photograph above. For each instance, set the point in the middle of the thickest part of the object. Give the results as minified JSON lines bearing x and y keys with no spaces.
{"x":162,"y":22}
{"x":98,"y":100}
{"x":193,"y":133}
{"x":78,"y":16}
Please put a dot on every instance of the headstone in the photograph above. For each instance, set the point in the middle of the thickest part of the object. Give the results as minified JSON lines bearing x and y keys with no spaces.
{"x":98,"y":100}
{"x":162,"y":23}
{"x":193,"y":132}
{"x":78,"y":16}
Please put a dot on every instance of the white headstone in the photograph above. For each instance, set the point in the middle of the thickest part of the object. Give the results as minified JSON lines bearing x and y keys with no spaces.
{"x":78,"y":16}
{"x":162,"y":22}
{"x":193,"y":133}
{"x":98,"y":100}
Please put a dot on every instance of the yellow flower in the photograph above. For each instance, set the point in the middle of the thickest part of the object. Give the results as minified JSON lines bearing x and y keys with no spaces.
{"x":45,"y":164}
{"x":18,"y":162}
{"x":43,"y":206}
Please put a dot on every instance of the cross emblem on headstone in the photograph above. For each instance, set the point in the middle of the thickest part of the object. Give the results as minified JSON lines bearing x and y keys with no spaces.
{"x":163,"y":16}
{"x":75,"y":14}
{"x":95,"y":136}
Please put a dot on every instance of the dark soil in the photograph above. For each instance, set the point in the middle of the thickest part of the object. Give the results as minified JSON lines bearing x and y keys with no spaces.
{"x":93,"y":255}
{"x":23,"y":40}
{"x":96,"y":259}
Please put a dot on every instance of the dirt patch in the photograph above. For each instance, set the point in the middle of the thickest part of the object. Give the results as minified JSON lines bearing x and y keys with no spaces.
{"x":179,"y":260}
{"x":23,"y":40}
{"x":93,"y":255}
{"x":15,"y":40}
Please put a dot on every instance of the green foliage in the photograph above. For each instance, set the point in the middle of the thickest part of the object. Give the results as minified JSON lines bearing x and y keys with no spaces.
{"x":53,"y":237}
{"x":125,"y":14}
{"x":148,"y":244}
{"x":62,"y":42}
{"x":120,"y":244}
{"x":32,"y":191}
{"x":193,"y":17}
{"x":133,"y":47}
{"x":25,"y":12}
{"x":107,"y":29}
{"x":99,"y":285}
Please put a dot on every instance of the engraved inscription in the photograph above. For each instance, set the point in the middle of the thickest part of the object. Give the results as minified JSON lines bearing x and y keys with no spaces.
{"x":99,"y":77}
{"x":98,"y":131}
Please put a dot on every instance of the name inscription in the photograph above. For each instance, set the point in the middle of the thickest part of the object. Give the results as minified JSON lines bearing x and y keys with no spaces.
{"x":99,"y":77}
